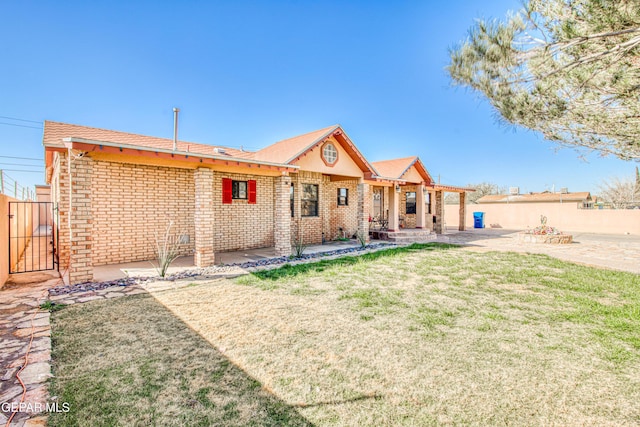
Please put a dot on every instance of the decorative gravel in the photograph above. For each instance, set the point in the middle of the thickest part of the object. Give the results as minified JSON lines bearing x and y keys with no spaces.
{"x":207,"y":271}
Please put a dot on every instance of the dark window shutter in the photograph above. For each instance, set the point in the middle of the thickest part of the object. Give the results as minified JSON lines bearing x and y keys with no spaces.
{"x":252,"y":192}
{"x":227,"y":191}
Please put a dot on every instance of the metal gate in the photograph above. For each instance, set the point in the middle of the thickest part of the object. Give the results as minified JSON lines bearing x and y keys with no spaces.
{"x":32,"y":238}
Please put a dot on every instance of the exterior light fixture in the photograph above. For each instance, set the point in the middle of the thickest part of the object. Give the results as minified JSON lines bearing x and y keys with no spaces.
{"x":397,"y":188}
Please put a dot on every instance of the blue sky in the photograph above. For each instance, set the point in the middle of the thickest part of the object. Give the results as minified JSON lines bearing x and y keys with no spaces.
{"x":253,"y":72}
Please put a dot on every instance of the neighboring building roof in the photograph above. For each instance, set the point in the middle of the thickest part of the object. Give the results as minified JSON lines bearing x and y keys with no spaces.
{"x":55,"y":132}
{"x":546,"y":197}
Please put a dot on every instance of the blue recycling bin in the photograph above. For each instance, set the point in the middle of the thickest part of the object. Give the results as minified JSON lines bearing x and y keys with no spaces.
{"x":478,"y":220}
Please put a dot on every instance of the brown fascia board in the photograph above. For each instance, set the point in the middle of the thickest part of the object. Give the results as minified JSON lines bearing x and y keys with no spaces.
{"x":70,"y":142}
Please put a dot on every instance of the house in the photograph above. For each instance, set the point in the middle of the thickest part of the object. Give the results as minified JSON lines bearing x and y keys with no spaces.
{"x":113,"y":190}
{"x":581,"y":199}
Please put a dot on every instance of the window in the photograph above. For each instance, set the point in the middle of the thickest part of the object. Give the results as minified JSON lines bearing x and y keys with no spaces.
{"x":291,"y":200}
{"x":411,"y":202}
{"x":343,"y":196}
{"x":309,"y":200}
{"x":239,"y":189}
{"x":329,"y":154}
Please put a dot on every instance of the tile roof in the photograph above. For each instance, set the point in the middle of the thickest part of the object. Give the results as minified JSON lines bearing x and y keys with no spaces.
{"x":535,"y":197}
{"x":394,"y":168}
{"x":54,"y":132}
{"x":289,"y":149}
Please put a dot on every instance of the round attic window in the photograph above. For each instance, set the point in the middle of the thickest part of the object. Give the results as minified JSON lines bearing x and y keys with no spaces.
{"x":329,"y":153}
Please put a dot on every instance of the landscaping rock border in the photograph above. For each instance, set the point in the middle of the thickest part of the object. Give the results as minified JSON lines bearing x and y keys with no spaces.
{"x":234,"y":268}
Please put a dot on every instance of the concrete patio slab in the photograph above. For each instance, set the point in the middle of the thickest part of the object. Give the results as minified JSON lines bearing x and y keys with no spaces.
{"x":106,"y":273}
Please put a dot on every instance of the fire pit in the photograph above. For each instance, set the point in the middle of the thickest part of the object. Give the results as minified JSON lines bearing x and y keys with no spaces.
{"x":545,"y":234}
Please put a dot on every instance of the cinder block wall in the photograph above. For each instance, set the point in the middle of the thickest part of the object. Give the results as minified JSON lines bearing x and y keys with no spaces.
{"x":241,"y":225}
{"x":132,"y":202}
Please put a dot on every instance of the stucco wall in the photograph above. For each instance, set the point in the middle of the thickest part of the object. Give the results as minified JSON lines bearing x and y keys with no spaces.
{"x":131,"y":202}
{"x":565,"y":216}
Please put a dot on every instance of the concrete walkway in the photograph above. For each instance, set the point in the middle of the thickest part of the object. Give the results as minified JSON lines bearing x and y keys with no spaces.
{"x":616,"y":252}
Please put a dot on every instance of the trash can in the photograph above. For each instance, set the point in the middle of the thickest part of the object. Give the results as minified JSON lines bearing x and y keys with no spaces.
{"x":478,"y":220}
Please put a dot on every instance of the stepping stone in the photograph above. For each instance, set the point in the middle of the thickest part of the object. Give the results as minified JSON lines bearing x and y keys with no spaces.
{"x":36,"y":373}
{"x":43,"y":321}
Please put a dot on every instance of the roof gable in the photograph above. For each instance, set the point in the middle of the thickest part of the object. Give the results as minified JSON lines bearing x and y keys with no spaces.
{"x":404,"y":168}
{"x":290,"y":150}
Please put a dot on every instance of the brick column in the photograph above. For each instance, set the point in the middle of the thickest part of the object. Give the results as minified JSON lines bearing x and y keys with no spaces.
{"x":203,"y":218}
{"x":394,"y":209}
{"x":76,"y":228}
{"x":462,"y":212}
{"x":60,"y":191}
{"x":439,"y":212}
{"x":282,"y":216}
{"x":420,"y":208}
{"x":364,"y":206}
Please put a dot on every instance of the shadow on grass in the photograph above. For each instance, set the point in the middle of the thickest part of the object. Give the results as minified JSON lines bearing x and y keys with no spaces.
{"x":289,"y":270}
{"x":131,"y":361}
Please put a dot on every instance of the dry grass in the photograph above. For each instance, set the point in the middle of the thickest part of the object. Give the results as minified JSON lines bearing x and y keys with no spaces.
{"x":131,"y":362}
{"x":425,"y":337}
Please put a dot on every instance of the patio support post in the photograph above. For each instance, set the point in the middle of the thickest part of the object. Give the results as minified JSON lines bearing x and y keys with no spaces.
{"x":462,"y":212}
{"x":282,"y":216}
{"x":439,"y":212}
{"x":364,"y":204}
{"x":420,"y":210}
{"x":394,"y":209}
{"x":79,"y":218}
{"x":203,"y":218}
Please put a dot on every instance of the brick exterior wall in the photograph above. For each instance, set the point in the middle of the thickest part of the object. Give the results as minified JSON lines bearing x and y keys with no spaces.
{"x":133,"y":202}
{"x":309,"y":229}
{"x":409,"y":219}
{"x":331,"y":217}
{"x":336,"y":217}
{"x":241,"y":225}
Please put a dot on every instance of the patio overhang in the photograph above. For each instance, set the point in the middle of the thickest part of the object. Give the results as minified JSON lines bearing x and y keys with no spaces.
{"x":450,"y":188}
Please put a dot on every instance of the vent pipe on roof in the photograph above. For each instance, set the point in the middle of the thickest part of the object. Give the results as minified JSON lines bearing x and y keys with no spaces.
{"x":175,"y":128}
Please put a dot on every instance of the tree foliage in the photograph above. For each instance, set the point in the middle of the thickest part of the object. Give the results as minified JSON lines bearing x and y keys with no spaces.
{"x":569,"y":69}
{"x":482,"y":189}
{"x":620,"y":193}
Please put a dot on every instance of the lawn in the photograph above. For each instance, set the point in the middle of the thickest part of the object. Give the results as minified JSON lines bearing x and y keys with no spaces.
{"x":426,"y":335}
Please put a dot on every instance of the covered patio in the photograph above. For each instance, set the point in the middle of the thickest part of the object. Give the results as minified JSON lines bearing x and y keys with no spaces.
{"x":406,"y":202}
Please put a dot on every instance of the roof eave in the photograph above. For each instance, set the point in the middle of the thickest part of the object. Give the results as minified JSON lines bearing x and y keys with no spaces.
{"x":76,"y":142}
